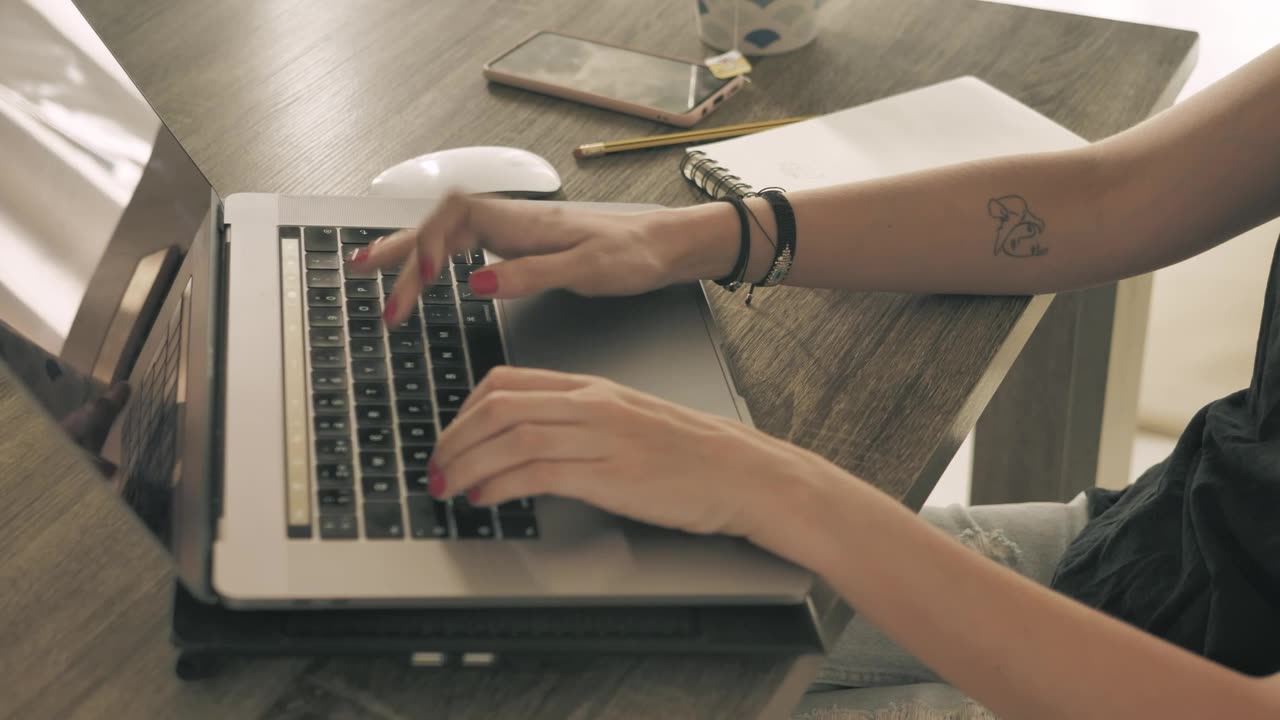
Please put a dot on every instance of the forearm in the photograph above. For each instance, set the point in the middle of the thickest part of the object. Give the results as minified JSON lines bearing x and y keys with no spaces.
{"x":1015,"y":646}
{"x":1176,"y":185}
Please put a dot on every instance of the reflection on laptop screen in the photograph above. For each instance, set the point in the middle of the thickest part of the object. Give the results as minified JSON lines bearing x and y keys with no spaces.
{"x":98,"y":204}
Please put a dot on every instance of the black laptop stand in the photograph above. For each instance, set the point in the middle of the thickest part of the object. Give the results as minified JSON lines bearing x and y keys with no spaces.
{"x":206,"y":634}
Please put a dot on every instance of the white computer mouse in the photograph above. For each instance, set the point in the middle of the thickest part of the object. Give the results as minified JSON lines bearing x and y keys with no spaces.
{"x":470,"y":170}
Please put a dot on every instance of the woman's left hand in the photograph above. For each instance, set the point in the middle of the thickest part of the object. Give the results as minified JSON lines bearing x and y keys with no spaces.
{"x":526,"y":432}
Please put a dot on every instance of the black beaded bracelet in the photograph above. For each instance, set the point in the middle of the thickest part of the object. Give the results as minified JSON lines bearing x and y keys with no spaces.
{"x":784,"y":253}
{"x":734,"y":279}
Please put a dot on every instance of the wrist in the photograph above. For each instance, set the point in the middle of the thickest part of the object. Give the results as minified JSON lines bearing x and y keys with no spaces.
{"x":695,"y":243}
{"x":791,"y":517}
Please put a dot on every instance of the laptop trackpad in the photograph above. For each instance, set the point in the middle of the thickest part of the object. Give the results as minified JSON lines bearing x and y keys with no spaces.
{"x":658,"y":342}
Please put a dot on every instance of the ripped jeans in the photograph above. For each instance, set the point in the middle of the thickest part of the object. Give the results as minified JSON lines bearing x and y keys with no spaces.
{"x":868,"y":677}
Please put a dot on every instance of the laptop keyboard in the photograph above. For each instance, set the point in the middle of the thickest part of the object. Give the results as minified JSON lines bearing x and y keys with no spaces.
{"x":372,"y":398}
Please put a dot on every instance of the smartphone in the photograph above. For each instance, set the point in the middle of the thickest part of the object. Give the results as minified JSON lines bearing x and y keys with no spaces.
{"x":677,"y":92}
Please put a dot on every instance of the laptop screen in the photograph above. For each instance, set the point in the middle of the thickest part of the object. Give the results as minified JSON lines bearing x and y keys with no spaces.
{"x":98,"y":205}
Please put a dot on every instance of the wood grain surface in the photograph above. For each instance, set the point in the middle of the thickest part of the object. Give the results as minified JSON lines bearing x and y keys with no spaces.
{"x":318,"y":96}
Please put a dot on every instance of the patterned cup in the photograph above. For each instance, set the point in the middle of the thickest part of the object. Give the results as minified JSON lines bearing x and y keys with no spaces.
{"x":765,"y":27}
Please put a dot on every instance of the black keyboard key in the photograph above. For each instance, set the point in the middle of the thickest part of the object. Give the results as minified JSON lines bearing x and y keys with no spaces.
{"x":451,"y":397}
{"x":325,"y":317}
{"x":377,"y":462}
{"x":444,"y":335}
{"x":406,"y":344}
{"x":417,"y":433}
{"x":376,"y":438}
{"x":411,"y":325}
{"x":440,"y":314}
{"x":462,"y":273}
{"x":336,"y":500}
{"x":335,"y":401}
{"x":416,"y":457}
{"x":444,"y":278}
{"x":353,"y":272}
{"x":332,"y":425}
{"x":450,"y":377}
{"x":366,"y":348}
{"x":464,"y":292}
{"x":324,"y":297}
{"x":328,"y":357}
{"x":516,"y":507}
{"x":322,"y":261}
{"x":416,"y":480}
{"x":380,"y":488}
{"x":484,"y":344}
{"x":461,"y":258}
{"x":326,"y":337}
{"x":407,"y":364}
{"x":334,"y":474}
{"x":338,"y":527}
{"x":365,"y":327}
{"x":362,"y":236}
{"x":320,"y":239}
{"x":411,"y":386}
{"x":360,"y":289}
{"x":446,"y":418}
{"x":373,"y":415}
{"x":479,"y":313}
{"x":414,"y":409}
{"x":428,"y":517}
{"x":333,"y":449}
{"x":438,"y":295}
{"x":382,"y":521}
{"x":371,"y":392}
{"x":364,"y":308}
{"x":472,"y":522}
{"x":328,"y":379}
{"x":477,"y":257}
{"x":324,"y":278}
{"x":518,"y":527}
{"x":446,"y":355}
{"x":290,"y":233}
{"x":363,"y":370}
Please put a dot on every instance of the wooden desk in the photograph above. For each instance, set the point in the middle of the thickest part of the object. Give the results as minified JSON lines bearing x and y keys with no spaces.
{"x":317,"y":96}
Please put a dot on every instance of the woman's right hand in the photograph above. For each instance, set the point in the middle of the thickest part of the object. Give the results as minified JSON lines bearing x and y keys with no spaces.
{"x":544,"y":246}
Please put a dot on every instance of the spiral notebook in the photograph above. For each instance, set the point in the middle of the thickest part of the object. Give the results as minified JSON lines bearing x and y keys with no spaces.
{"x":954,"y":121}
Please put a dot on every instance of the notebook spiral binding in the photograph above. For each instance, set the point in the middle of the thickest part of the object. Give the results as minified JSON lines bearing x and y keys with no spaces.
{"x":712,"y":178}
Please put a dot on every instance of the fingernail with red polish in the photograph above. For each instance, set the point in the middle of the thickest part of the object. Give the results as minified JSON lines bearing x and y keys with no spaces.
{"x":425,"y":269}
{"x":359,"y":256}
{"x":473,"y":496}
{"x":435,"y":482}
{"x":484,"y":282}
{"x":390,"y":310}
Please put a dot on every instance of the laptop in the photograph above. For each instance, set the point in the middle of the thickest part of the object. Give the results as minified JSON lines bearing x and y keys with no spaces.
{"x":276,"y":435}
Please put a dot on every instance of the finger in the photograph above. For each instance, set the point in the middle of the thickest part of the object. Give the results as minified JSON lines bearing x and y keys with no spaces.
{"x":428,"y":256}
{"x":577,"y":479}
{"x":507,"y":377}
{"x":533,"y":274}
{"x":385,"y":251}
{"x":497,"y":413}
{"x":514,"y":447}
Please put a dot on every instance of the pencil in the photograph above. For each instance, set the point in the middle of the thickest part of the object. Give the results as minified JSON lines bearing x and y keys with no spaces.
{"x":717,"y":133}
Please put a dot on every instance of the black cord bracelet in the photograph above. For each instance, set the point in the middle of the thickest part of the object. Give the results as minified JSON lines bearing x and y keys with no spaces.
{"x":785,"y":251}
{"x":734,"y":279}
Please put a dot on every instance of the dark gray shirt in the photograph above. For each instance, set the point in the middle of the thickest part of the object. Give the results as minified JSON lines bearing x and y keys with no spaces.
{"x":1191,"y":551}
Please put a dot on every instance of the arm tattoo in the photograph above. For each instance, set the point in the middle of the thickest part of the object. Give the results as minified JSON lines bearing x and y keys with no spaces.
{"x":1019,"y":233}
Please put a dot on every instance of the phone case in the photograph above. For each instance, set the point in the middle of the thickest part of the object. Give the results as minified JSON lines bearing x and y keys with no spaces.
{"x":688,"y":119}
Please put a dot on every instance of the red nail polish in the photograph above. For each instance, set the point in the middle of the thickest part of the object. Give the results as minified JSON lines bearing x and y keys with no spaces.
{"x":390,"y":310}
{"x":435,"y":482}
{"x":425,"y":270}
{"x":359,"y":256}
{"x":473,"y":496}
{"x":484,"y":282}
